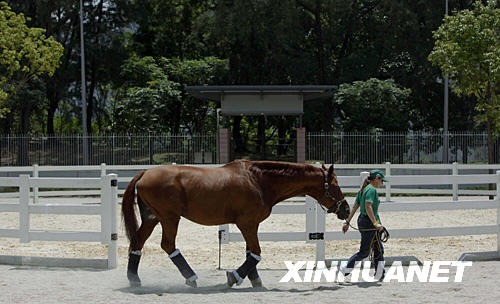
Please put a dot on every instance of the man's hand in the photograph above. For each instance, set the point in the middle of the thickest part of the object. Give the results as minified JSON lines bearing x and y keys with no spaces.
{"x":379,"y":227}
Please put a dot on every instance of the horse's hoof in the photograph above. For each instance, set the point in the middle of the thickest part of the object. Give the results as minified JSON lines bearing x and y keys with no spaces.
{"x":191,"y":283}
{"x":256,"y":283}
{"x":231,"y":279}
{"x":134,"y":280}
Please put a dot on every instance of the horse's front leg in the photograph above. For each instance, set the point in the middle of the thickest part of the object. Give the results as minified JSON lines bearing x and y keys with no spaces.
{"x":249,"y":267}
{"x":253,"y":274}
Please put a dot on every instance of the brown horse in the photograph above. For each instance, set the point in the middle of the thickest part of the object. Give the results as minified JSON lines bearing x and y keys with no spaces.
{"x":241,"y":192}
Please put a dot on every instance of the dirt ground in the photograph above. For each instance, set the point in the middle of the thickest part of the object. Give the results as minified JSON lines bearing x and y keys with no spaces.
{"x":160,"y":285}
{"x":199,"y":245}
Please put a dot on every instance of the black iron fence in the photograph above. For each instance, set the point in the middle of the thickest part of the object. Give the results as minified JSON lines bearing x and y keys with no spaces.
{"x":278,"y":149}
{"x":346,"y":148}
{"x":109,"y":149}
{"x":399,"y":148}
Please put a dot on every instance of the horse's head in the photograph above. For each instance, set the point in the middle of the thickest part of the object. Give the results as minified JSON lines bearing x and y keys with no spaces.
{"x":333,"y":198}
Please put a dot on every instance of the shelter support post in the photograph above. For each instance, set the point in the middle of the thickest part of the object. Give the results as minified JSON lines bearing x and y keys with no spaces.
{"x":35,"y":189}
{"x":224,"y":146}
{"x":301,"y":145}
{"x":455,"y":185}
{"x":388,"y":184}
{"x":498,"y":212}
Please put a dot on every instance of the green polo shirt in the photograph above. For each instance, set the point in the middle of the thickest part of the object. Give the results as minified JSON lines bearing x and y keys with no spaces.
{"x":369,"y":195}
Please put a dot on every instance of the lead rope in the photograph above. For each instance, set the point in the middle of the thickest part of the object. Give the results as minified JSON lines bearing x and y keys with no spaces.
{"x":380,"y":236}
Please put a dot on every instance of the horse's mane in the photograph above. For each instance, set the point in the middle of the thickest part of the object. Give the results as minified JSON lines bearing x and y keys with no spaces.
{"x":280,"y":168}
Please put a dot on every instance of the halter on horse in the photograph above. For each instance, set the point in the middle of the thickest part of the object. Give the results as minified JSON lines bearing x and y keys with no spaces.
{"x":241,"y":192}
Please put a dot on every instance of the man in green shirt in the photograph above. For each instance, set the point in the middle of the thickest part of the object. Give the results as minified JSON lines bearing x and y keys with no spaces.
{"x":368,"y":223}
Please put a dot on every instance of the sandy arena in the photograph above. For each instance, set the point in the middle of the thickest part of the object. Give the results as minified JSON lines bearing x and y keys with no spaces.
{"x":199,"y":244}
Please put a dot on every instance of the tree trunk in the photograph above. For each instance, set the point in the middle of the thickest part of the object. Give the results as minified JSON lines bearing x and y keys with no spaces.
{"x":319,"y":42}
{"x":238,"y":142}
{"x":318,"y":29}
{"x":281,"y":137}
{"x":53,"y":98}
{"x":261,"y":135}
{"x":90,"y":97}
{"x":490,"y":152}
{"x":22,"y":155}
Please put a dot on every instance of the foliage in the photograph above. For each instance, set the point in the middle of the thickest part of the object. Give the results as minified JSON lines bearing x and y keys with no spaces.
{"x":152,"y":90}
{"x":25,"y":53}
{"x":296,"y":42}
{"x":144,"y":104}
{"x":164,"y":28}
{"x":373,"y":105}
{"x":468,"y":49}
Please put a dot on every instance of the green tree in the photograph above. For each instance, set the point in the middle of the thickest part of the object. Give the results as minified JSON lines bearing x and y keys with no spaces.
{"x":373,"y":105}
{"x":104,"y":23}
{"x":145,"y":99}
{"x":152,"y":97}
{"x":196,"y":115}
{"x":164,"y":28}
{"x":468,"y":49}
{"x":25,"y":53}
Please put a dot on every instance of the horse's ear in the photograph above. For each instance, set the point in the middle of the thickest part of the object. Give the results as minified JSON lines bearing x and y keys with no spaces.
{"x":330,"y":170}
{"x":323,"y":166}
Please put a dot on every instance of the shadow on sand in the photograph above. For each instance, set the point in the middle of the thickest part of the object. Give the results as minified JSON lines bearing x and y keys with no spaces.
{"x":364,"y":284}
{"x":214,"y":289}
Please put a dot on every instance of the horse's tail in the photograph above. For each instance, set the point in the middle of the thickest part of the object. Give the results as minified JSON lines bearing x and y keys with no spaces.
{"x":128,"y":211}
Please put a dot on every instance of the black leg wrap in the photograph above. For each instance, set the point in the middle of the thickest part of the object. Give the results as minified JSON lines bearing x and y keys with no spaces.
{"x":133,"y":265}
{"x":250,"y":263}
{"x":183,"y":266}
{"x":252,"y":273}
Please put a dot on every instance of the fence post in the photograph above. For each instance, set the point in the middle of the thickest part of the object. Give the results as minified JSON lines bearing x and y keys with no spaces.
{"x":108,"y":216}
{"x":455,"y":184}
{"x":223,"y":239}
{"x":224,"y":233}
{"x":113,"y":237}
{"x":498,"y":212}
{"x":150,"y":149}
{"x":78,"y":149}
{"x":35,"y":189}
{"x":388,"y":185}
{"x":103,"y":169}
{"x":310,"y":217}
{"x":320,"y":227}
{"x":24,"y":216}
{"x":363,"y":175}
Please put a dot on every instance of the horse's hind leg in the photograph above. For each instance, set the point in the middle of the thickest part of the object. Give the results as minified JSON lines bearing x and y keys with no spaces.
{"x":170,"y":225}
{"x":134,"y":257}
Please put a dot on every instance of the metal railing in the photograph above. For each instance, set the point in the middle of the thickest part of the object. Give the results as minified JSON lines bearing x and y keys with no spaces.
{"x":111,"y":149}
{"x":339,"y":148}
{"x":277,"y":149}
{"x":398,"y":148}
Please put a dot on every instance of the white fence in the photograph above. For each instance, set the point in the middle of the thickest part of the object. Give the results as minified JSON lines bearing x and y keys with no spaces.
{"x":454,"y":169}
{"x":315,"y":215}
{"x":107,"y":186}
{"x":127,"y":172}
